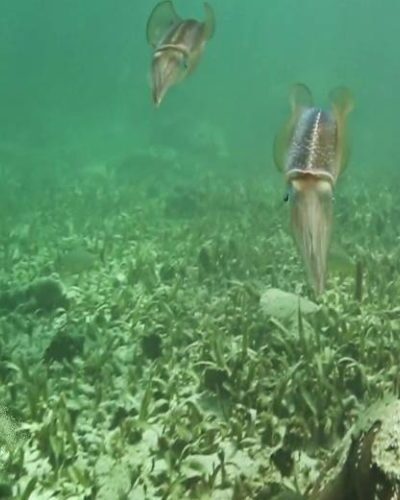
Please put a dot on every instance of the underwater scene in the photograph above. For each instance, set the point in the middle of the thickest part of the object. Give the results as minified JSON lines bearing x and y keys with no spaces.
{"x":200,"y":250}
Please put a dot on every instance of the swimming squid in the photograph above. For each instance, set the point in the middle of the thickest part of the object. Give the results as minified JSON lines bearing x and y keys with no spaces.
{"x":312,"y":151}
{"x":177,"y":46}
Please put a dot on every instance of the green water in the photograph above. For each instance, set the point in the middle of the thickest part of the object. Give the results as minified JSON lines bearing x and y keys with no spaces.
{"x":75,"y":75}
{"x":151,"y":343}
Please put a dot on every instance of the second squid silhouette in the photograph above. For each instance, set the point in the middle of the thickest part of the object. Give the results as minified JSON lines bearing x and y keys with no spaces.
{"x":177,"y":45}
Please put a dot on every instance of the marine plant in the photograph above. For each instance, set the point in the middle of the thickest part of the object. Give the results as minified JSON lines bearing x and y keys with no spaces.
{"x":164,"y":375}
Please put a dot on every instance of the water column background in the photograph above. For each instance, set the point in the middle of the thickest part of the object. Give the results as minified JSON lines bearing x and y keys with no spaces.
{"x":75,"y":76}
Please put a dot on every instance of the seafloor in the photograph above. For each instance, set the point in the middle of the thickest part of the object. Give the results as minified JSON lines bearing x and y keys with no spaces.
{"x":139,"y":355}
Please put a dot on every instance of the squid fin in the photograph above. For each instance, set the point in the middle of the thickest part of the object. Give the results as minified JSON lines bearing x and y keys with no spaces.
{"x":209,"y":23}
{"x":161,"y":19}
{"x":300,"y":98}
{"x":281,"y":144}
{"x":342,"y":104}
{"x":208,"y":32}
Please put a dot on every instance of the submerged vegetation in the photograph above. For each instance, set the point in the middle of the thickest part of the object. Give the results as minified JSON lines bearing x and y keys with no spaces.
{"x":142,"y":355}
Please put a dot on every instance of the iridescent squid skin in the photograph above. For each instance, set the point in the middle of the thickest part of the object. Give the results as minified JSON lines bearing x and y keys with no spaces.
{"x":313,"y":146}
{"x":311,"y":153}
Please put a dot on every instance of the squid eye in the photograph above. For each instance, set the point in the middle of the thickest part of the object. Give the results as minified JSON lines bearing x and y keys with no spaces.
{"x":289,"y":195}
{"x":185,"y":62}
